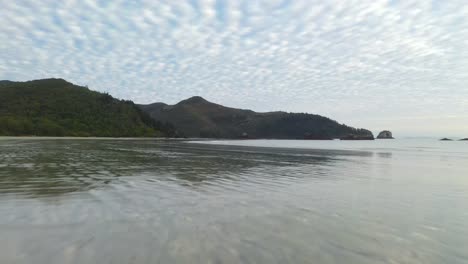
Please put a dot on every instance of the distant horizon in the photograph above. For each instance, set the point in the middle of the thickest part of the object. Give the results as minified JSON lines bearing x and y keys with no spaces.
{"x":376,"y":64}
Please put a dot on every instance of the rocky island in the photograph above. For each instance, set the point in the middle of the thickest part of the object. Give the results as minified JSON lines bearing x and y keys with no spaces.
{"x":385,"y":135}
{"x":446,"y":139}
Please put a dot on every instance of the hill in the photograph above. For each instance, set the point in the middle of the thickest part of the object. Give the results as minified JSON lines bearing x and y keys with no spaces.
{"x":55,"y":107}
{"x":197,"y":117}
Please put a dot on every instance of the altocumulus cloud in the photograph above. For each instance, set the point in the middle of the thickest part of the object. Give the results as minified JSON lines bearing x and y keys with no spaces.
{"x":363,"y":62}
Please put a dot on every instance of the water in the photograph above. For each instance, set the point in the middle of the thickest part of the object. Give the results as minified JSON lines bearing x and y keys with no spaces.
{"x":265,"y":201}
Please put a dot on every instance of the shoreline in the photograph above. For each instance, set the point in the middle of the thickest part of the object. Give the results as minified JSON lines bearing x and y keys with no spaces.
{"x":208,"y":139}
{"x":93,"y":138}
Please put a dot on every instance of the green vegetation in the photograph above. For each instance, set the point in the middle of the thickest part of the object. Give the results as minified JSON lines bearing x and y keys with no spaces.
{"x":196,"y":117}
{"x":55,"y":107}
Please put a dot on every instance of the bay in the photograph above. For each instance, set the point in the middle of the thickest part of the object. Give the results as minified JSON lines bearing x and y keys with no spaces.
{"x":239,"y":201}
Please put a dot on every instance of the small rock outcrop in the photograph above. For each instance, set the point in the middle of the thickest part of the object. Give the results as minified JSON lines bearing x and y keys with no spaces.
{"x":385,"y":135}
{"x":446,"y":139}
{"x":357,"y":137}
{"x":464,"y":139}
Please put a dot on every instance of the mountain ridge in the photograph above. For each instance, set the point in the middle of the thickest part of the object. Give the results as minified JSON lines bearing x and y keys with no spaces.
{"x":56,"y":107}
{"x":198,"y":117}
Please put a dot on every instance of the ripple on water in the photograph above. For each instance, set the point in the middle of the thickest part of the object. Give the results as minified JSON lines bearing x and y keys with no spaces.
{"x":86,"y":201}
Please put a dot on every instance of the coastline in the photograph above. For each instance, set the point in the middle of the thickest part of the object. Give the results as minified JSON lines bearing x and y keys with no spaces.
{"x":85,"y":138}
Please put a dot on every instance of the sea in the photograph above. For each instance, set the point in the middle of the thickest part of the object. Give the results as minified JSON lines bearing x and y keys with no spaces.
{"x":121,"y":201}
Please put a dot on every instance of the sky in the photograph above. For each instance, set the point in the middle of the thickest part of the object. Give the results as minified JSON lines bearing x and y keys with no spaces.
{"x":400,"y":65}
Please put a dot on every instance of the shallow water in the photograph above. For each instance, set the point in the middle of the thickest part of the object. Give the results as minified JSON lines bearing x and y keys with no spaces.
{"x":265,"y":201}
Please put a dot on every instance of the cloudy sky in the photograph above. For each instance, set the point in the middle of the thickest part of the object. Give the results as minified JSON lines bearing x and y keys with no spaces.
{"x":379,"y":64}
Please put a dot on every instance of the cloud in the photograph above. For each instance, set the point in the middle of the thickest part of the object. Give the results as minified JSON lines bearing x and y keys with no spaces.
{"x":338,"y":58}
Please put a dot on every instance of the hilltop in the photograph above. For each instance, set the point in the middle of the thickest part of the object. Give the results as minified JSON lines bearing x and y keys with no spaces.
{"x":55,"y":107}
{"x":197,"y":117}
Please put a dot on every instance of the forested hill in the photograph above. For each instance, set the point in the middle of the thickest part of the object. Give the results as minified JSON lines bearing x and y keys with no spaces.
{"x":55,"y":107}
{"x":197,"y":117}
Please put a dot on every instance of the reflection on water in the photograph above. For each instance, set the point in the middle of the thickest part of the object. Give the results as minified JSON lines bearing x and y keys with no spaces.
{"x":47,"y":168}
{"x":145,"y":201}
